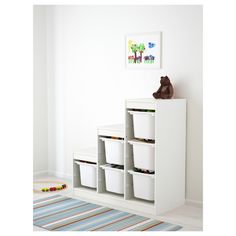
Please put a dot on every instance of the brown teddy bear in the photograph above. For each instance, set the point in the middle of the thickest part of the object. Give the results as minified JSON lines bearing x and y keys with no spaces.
{"x":166,"y":89}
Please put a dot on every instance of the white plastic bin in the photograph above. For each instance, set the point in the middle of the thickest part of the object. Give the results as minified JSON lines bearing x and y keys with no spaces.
{"x":88,"y":174}
{"x":114,"y":149}
{"x":144,"y":124}
{"x":114,"y":179}
{"x":144,"y":155}
{"x":143,"y":185}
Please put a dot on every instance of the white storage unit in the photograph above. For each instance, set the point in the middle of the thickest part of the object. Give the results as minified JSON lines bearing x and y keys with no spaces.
{"x":114,"y":149}
{"x":88,"y":174}
{"x":164,"y":122}
{"x":143,"y":154}
{"x":114,"y":179}
{"x":143,"y":185}
{"x":144,"y":124}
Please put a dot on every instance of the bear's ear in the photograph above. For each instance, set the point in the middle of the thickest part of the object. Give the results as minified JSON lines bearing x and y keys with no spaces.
{"x":167,"y":80}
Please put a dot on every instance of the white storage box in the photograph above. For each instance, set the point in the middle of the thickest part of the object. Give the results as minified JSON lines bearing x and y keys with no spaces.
{"x":114,"y":179}
{"x":114,"y":149}
{"x":144,"y":155}
{"x":88,"y":174}
{"x":143,"y":185}
{"x":144,"y":124}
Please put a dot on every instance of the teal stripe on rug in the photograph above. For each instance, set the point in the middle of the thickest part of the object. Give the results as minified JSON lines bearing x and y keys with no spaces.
{"x":77,"y":226}
{"x":64,"y":214}
{"x":101,"y":221}
{"x":80,"y":218}
{"x":55,"y":211}
{"x":61,"y":213}
{"x":121,"y":224}
{"x":54,"y":207}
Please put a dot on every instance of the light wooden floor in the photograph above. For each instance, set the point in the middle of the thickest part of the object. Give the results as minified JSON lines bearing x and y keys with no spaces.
{"x":190,"y":217}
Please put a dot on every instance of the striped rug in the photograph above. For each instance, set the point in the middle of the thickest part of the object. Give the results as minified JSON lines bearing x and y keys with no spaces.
{"x":61,"y":213}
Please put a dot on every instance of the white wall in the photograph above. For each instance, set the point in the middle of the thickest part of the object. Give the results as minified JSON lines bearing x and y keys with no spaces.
{"x":40,"y":93}
{"x":88,"y":81}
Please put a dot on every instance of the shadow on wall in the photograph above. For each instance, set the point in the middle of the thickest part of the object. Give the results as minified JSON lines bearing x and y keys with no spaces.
{"x":194,"y":149}
{"x":178,"y":88}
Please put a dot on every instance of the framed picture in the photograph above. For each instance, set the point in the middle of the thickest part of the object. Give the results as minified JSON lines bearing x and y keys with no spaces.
{"x":143,"y":50}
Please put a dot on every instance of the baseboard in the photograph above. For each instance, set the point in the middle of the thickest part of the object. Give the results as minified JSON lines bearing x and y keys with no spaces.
{"x":40,"y":173}
{"x":194,"y":203}
{"x":60,"y":174}
{"x":52,"y":173}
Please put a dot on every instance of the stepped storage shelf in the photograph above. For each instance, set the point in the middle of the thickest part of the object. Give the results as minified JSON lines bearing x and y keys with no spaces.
{"x":153,"y":138}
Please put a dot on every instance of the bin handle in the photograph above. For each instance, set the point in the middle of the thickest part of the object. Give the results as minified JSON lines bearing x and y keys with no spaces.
{"x":142,"y":112}
{"x":104,"y":167}
{"x":84,"y":163}
{"x":133,"y":142}
{"x":111,"y":139}
{"x":143,"y":174}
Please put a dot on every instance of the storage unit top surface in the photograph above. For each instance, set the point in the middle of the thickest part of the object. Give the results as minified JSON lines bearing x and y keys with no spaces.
{"x":117,"y":130}
{"x":150,"y":103}
{"x":152,"y":100}
{"x":86,"y":154}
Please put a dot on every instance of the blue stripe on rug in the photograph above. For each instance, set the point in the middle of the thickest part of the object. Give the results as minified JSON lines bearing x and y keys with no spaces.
{"x":56,"y":211}
{"x":65,"y":214}
{"x":78,"y":225}
{"x":160,"y":227}
{"x":114,"y":215}
{"x":61,"y":213}
{"x":123,"y":223}
{"x":54,"y":207}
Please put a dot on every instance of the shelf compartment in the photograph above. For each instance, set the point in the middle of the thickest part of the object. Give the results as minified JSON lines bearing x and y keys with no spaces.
{"x":88,"y":174}
{"x":143,"y":124}
{"x":143,"y":154}
{"x":143,"y":185}
{"x":114,"y":150}
{"x":114,"y":179}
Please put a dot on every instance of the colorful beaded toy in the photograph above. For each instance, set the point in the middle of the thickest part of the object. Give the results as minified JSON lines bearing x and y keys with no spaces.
{"x":50,"y":189}
{"x":58,"y":186}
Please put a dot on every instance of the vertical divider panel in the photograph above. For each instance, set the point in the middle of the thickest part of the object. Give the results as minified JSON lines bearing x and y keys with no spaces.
{"x":125,"y":157}
{"x":100,"y":161}
{"x":128,"y":155}
{"x":125,"y":161}
{"x":76,"y":175}
{"x":156,"y":159}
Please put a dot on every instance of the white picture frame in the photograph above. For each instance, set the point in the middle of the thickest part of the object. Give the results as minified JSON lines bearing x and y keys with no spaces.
{"x":143,"y":50}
